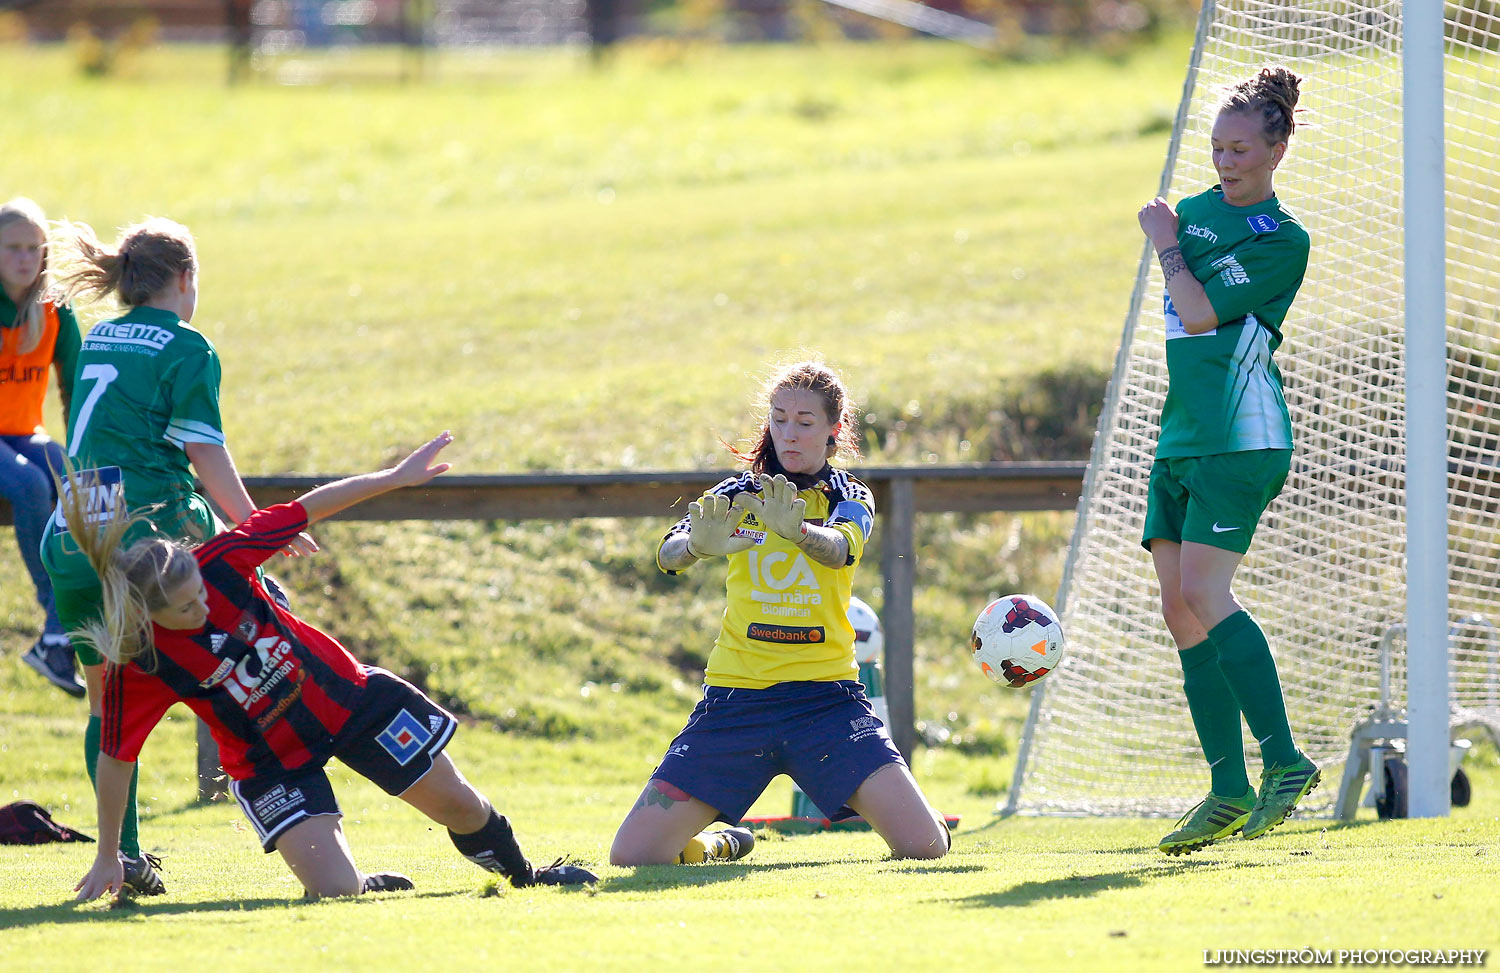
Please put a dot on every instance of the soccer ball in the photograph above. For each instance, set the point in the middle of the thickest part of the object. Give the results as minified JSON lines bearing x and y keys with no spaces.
{"x":869,"y":639}
{"x":1017,"y":640}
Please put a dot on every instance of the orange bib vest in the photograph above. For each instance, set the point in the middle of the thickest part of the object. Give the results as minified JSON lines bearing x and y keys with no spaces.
{"x":23,"y":377}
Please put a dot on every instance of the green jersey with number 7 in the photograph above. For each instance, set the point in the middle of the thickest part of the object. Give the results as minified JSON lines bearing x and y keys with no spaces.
{"x":147,"y":385}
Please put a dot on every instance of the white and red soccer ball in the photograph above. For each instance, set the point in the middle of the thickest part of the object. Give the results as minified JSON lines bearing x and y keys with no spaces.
{"x":1017,"y":640}
{"x":869,"y":637}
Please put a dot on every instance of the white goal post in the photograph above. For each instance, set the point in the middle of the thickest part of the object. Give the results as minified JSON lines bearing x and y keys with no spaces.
{"x":1390,"y":521}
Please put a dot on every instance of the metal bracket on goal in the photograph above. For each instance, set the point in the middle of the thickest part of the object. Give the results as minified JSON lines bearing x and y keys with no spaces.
{"x":1372,"y":742}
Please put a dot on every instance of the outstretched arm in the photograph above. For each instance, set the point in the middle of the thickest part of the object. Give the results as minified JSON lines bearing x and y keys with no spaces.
{"x":215,"y":467}
{"x":675,"y":555}
{"x":825,"y":545}
{"x":416,"y":469}
{"x":106,"y":874}
{"x":712,"y":522}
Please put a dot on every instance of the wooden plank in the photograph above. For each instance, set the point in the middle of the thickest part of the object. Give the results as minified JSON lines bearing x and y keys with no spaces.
{"x":566,"y":496}
{"x":898,"y":557}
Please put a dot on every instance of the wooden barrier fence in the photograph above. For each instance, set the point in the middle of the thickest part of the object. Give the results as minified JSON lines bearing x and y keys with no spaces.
{"x":901,"y":492}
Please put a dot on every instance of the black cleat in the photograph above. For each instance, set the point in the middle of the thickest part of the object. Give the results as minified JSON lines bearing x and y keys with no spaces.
{"x":52,"y":656}
{"x":559,"y":873}
{"x":386,"y":882}
{"x":739,"y":842}
{"x":141,"y":876}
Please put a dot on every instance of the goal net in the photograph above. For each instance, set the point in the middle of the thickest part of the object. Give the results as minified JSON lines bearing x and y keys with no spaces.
{"x":1110,"y":732}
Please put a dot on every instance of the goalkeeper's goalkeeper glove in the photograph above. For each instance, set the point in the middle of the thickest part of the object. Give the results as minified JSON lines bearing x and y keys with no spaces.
{"x":778,"y":507}
{"x":713,"y":521}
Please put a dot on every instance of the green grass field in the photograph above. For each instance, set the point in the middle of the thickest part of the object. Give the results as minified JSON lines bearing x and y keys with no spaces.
{"x":589,"y":270}
{"x":1023,"y":894}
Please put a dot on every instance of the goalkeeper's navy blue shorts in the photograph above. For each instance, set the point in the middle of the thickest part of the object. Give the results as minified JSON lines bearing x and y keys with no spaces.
{"x":823,"y":735}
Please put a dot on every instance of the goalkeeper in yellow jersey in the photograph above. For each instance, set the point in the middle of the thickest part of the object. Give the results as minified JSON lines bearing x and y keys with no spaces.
{"x":781,"y":692}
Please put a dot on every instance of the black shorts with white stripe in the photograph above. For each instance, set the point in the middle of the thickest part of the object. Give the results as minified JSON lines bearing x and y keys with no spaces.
{"x":392,"y":739}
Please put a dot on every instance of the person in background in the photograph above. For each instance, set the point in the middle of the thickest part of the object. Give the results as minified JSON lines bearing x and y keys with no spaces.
{"x":38,"y":334}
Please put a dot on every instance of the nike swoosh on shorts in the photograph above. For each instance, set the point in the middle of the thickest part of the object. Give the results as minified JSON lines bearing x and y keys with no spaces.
{"x":1223,"y":530}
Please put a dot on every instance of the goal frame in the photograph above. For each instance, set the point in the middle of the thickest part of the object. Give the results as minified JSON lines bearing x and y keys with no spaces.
{"x":1426,"y":421}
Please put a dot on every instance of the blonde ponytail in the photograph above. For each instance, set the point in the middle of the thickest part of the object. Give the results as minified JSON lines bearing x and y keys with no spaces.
{"x":134,"y":581}
{"x":147,"y":258}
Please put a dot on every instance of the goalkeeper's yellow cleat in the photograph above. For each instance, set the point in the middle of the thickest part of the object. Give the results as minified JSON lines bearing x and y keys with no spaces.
{"x":1281,"y":788}
{"x":728,"y":845}
{"x":1210,"y":819}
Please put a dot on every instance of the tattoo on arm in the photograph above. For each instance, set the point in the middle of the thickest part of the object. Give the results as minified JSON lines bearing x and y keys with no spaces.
{"x":825,"y":545}
{"x":674,"y":555}
{"x":1172,"y":263}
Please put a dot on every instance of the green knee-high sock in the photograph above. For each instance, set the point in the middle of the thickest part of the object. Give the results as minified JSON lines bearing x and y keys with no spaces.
{"x":1216,"y":717}
{"x":1245,"y":657}
{"x":130,"y":827}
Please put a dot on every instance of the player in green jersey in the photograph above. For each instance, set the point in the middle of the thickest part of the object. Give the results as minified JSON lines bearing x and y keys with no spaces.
{"x":146,"y":403}
{"x":1233,"y":260}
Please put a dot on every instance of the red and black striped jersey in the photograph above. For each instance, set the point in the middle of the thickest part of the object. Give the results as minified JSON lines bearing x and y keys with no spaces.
{"x":273,"y":689}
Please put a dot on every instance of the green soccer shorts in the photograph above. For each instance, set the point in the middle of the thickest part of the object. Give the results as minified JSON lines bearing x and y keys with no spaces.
{"x":1215,"y":500}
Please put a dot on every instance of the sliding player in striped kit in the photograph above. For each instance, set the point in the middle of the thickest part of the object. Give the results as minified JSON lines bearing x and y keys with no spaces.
{"x":281,"y":697}
{"x":147,"y":405}
{"x":1233,"y":260}
{"x":781,"y":690}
